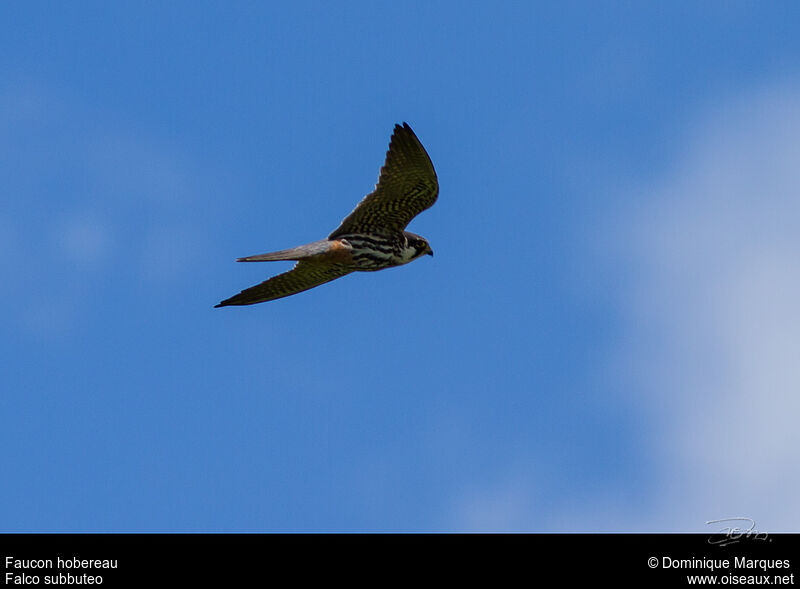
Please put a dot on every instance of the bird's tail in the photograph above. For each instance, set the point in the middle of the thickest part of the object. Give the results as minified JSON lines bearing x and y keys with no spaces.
{"x":296,"y":253}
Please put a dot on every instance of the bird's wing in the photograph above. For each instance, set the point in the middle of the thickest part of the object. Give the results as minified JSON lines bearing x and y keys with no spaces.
{"x":407,"y":186}
{"x":305,"y":274}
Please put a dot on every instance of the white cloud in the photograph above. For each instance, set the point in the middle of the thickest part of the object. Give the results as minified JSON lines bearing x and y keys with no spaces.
{"x":714,"y":315}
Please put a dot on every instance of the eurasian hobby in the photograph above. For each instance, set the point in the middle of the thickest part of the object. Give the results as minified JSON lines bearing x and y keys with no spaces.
{"x":372,"y":237}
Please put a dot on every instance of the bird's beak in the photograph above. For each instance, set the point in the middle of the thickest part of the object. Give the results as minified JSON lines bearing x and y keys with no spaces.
{"x":430,"y":252}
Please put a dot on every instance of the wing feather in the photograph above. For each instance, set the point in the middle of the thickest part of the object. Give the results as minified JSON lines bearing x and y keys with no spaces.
{"x":407,"y":185}
{"x":305,"y":274}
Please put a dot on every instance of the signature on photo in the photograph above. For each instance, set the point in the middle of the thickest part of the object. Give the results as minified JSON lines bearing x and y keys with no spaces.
{"x":731,"y":534}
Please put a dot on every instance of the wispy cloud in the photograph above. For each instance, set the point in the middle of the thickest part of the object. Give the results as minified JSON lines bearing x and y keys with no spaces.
{"x":88,"y":188}
{"x":711,"y":354}
{"x":502,"y":506}
{"x":84,"y":239}
{"x":715,"y":321}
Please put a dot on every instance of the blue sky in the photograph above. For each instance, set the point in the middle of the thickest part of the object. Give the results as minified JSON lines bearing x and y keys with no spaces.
{"x":606,"y":339}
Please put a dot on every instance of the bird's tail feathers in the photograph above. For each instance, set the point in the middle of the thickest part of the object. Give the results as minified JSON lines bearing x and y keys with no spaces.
{"x":296,"y":253}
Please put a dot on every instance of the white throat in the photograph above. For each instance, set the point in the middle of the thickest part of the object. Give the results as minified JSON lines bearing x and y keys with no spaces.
{"x":408,"y":254}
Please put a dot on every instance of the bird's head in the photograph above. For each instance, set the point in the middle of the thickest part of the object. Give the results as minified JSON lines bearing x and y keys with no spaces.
{"x":419,"y":244}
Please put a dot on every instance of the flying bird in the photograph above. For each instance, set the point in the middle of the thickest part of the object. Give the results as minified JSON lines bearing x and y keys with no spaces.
{"x":372,"y":237}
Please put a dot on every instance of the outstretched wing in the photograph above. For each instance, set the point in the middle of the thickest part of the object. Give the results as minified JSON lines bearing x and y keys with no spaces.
{"x":407,"y":186}
{"x":305,"y":274}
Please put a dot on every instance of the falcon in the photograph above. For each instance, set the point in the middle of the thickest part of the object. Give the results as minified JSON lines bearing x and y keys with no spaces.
{"x":372,"y":237}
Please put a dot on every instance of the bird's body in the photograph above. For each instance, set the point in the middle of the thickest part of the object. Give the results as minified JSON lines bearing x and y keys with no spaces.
{"x":371,"y":238}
